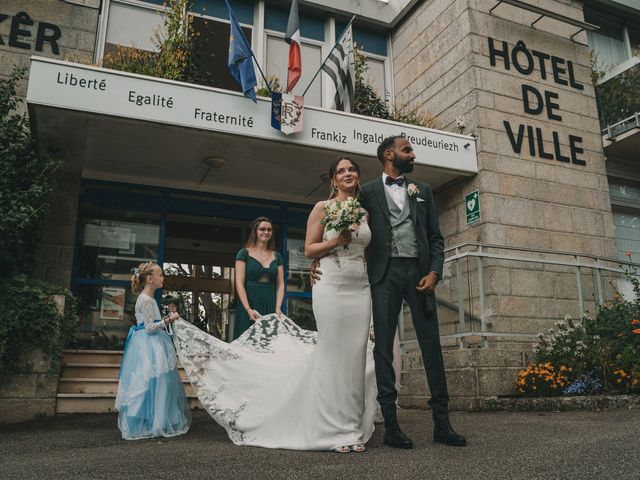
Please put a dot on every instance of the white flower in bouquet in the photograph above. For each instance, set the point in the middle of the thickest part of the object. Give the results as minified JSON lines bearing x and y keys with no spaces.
{"x":341,"y":216}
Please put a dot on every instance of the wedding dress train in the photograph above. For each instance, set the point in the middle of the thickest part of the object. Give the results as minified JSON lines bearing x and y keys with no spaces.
{"x":279,"y":386}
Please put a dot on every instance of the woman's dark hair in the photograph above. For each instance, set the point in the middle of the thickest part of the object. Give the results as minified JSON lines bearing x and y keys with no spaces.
{"x":253,"y":234}
{"x":386,"y":144}
{"x":332,"y":173}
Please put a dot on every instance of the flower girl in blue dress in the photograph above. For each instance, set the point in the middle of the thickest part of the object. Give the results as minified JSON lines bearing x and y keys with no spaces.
{"x":151,"y":401}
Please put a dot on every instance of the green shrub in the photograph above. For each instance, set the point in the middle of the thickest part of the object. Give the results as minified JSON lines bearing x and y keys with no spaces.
{"x":542,"y":380}
{"x":602,"y":352}
{"x":29,"y":318}
{"x":25,"y":181}
{"x":564,"y":344}
{"x":176,"y":57}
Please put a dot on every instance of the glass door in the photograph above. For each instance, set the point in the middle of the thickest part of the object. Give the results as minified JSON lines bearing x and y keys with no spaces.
{"x":199,"y":259}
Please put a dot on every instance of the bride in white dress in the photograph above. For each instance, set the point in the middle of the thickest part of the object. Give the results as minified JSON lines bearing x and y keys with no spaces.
{"x":279,"y":386}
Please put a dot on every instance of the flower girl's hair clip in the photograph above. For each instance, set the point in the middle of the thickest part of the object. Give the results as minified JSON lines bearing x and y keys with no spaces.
{"x":136,"y":272}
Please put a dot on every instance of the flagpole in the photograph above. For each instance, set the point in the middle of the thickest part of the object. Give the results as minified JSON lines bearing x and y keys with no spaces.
{"x":266,"y":82}
{"x":329,"y":54}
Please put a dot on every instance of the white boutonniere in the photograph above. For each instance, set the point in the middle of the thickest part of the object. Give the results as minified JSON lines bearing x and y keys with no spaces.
{"x":412,"y":190}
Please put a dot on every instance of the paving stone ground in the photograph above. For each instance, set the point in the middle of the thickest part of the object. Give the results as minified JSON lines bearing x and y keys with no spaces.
{"x":522,"y":445}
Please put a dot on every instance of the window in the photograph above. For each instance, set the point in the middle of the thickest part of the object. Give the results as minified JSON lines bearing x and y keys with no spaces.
{"x":608,"y":43}
{"x":135,"y":27}
{"x":625,"y":202}
{"x":298,"y":281}
{"x":111,"y":242}
{"x":114,"y":241}
{"x":213,"y":52}
{"x":131,"y":26}
{"x":373,"y":45}
{"x":277,"y":58}
{"x":375,"y":76}
{"x":634,"y":40}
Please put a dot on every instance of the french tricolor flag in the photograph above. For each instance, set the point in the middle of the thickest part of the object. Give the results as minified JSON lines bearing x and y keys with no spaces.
{"x":293,"y":39}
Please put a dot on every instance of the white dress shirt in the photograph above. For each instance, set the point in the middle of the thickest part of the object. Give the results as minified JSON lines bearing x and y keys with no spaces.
{"x":398,"y":193}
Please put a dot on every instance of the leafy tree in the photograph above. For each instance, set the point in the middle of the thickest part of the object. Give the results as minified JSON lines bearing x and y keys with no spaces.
{"x":176,"y":57}
{"x":368,"y":102}
{"x":25,"y":181}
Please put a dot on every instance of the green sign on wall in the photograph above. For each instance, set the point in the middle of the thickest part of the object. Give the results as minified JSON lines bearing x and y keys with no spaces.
{"x":472,"y":207}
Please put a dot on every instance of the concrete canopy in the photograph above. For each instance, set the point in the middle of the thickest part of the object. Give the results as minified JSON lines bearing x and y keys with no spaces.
{"x":132,"y":143}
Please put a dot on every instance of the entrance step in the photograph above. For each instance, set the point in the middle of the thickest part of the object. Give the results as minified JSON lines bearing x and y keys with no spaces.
{"x":89,"y":382}
{"x":101,"y":386}
{"x":96,"y":403}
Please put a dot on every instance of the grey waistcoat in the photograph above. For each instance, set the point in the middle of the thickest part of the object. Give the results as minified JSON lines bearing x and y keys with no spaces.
{"x":403,"y":235}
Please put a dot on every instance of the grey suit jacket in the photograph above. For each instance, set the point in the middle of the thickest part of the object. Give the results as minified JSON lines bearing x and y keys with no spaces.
{"x":425,"y":221}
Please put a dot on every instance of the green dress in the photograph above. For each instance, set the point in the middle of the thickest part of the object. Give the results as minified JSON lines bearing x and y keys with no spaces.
{"x":260,"y":284}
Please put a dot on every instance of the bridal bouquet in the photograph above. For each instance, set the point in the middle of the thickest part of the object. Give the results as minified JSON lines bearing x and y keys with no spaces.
{"x":341,"y":216}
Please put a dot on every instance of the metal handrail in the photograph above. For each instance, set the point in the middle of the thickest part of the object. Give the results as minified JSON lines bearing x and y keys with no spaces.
{"x":576,"y":262}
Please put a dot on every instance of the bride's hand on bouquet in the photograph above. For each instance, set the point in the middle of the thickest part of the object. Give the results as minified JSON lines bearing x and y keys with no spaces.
{"x":344,"y":238}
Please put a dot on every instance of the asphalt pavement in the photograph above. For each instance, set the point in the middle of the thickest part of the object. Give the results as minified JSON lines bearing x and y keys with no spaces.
{"x":520,"y":445}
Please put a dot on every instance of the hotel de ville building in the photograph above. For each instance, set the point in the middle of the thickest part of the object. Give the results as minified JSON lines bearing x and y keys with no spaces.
{"x":533,"y":160}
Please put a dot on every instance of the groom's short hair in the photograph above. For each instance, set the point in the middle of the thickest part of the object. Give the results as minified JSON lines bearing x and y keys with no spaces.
{"x":387,"y":143}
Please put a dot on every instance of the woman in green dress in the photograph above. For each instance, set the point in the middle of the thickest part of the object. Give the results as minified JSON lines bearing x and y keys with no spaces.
{"x":259,"y":277}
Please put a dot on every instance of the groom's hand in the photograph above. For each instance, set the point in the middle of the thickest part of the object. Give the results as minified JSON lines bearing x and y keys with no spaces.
{"x":314,"y":272}
{"x":427,"y":284}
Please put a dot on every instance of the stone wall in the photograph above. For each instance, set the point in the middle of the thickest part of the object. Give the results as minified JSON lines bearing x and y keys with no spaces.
{"x":73,"y":24}
{"x":443,"y":63}
{"x":71,"y":27}
{"x":31,"y":392}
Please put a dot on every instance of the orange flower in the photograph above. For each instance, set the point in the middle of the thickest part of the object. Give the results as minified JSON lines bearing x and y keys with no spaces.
{"x":636,"y":331}
{"x":635,"y":321}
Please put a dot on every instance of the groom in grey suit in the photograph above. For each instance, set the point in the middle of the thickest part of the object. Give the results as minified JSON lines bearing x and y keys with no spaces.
{"x":404,"y":261}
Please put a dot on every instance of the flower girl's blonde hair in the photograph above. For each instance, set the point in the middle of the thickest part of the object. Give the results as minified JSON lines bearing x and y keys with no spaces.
{"x":139,"y":275}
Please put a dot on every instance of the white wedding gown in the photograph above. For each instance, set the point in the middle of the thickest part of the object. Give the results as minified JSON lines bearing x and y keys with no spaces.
{"x":279,"y":386}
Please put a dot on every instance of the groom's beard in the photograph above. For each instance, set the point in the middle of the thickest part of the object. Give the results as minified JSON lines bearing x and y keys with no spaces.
{"x":404,"y":165}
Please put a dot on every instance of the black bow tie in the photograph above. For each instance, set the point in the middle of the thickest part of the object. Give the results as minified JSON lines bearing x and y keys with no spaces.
{"x":398,"y":181}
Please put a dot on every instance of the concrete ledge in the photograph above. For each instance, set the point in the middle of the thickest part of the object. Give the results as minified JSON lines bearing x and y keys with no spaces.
{"x":560,"y":404}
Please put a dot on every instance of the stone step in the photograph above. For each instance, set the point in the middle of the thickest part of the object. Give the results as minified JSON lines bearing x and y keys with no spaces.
{"x":98,"y":370}
{"x":92,"y":356}
{"x":90,"y":370}
{"x":99,"y":386}
{"x":96,"y":403}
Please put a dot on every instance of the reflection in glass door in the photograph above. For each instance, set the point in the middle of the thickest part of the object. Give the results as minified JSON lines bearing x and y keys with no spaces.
{"x":199,"y":270}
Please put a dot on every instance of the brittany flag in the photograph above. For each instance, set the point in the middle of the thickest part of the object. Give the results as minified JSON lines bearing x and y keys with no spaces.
{"x":293,"y":39}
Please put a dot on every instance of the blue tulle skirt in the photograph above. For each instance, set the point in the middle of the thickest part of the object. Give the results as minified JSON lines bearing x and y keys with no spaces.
{"x":151,"y":400}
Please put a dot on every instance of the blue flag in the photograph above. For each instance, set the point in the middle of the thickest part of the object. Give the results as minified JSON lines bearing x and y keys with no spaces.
{"x":240,"y":61}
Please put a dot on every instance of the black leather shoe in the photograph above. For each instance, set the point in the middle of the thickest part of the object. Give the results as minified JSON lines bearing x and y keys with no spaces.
{"x":447,"y":435}
{"x":394,"y":437}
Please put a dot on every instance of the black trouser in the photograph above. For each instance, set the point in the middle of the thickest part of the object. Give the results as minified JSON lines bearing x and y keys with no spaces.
{"x":400,"y":283}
